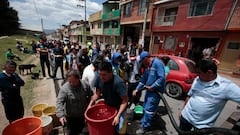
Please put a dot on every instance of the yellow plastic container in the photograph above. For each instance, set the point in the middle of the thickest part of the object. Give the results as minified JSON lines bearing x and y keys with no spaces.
{"x":37,"y":110}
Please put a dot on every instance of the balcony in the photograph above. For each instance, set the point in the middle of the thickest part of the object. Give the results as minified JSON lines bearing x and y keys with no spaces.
{"x":166,"y":20}
{"x":111,"y":15}
{"x":111,"y":31}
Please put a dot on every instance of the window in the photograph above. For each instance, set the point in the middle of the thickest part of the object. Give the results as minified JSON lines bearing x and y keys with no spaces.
{"x":170,"y":14}
{"x":201,"y":7}
{"x":156,"y":40}
{"x":99,"y":25}
{"x":233,"y":45}
{"x":115,"y":24}
{"x":169,"y":43}
{"x":191,"y":66}
{"x":172,"y":65}
{"x":92,"y":26}
{"x":127,"y":9}
{"x":106,"y":25}
{"x":142,"y":7}
{"x":166,"y":16}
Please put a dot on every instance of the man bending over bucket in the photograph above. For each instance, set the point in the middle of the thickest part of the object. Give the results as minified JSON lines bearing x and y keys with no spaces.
{"x":113,"y":90}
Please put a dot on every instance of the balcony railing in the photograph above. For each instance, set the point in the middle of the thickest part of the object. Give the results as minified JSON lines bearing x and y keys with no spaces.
{"x":111,"y":15}
{"x":166,"y":20}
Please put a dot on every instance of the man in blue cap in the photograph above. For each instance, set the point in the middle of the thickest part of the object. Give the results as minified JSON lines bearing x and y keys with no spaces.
{"x":153,"y":80}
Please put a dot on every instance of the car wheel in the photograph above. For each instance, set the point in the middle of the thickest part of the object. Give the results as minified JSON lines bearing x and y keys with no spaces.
{"x":174,"y":90}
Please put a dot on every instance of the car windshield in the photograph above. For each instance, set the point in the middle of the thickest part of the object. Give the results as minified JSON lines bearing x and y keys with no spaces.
{"x":191,"y":66}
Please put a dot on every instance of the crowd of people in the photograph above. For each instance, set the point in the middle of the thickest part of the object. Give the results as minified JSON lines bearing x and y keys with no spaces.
{"x":117,"y":76}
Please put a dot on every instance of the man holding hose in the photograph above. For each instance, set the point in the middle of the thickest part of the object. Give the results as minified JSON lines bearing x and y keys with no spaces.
{"x":154,"y":81}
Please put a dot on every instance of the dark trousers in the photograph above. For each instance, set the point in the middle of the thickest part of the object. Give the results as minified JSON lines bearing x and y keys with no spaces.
{"x":131,"y":87}
{"x":44,"y":59}
{"x":58,"y":64}
{"x":185,"y":125}
{"x":13,"y":108}
{"x":75,"y":125}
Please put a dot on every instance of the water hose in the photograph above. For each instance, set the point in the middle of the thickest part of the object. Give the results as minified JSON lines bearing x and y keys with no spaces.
{"x":195,"y":131}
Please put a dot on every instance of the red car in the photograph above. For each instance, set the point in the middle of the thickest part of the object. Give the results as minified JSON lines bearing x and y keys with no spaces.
{"x":181,"y":75}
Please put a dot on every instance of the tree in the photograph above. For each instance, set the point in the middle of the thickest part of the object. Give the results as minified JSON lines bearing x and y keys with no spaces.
{"x":9,"y":21}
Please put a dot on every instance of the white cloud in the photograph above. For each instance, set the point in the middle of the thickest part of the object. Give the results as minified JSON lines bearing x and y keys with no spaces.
{"x":53,"y":12}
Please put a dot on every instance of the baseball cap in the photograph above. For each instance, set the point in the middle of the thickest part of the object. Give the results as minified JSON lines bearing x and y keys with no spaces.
{"x":143,"y":55}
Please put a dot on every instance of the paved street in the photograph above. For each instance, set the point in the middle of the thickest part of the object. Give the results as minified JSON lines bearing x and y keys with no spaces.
{"x":164,"y":121}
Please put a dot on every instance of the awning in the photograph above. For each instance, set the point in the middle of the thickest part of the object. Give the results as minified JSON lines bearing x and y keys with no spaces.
{"x":161,"y":2}
{"x":125,"y":2}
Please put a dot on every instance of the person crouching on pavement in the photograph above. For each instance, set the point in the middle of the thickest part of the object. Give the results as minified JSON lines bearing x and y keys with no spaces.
{"x":72,"y":101}
{"x":10,"y":88}
{"x":113,"y":90}
{"x":154,"y":81}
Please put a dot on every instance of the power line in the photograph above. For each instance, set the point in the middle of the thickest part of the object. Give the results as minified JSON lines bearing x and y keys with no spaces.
{"x":36,"y":9}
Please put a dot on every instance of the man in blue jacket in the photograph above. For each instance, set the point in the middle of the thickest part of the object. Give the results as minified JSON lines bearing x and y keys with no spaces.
{"x":10,"y":89}
{"x":153,"y":80}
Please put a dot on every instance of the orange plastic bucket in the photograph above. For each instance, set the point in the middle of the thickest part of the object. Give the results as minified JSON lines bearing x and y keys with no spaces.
{"x":99,"y":119}
{"x":24,"y":126}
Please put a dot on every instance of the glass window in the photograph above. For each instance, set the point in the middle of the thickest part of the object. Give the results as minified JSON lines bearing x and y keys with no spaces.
{"x":127,"y":9}
{"x":233,"y":45}
{"x":106,"y":24}
{"x":170,"y":14}
{"x":169,"y":43}
{"x":173,"y":65}
{"x":156,"y":39}
{"x":142,"y":7}
{"x":201,"y":7}
{"x":191,"y":66}
{"x":99,"y":25}
{"x":115,"y":24}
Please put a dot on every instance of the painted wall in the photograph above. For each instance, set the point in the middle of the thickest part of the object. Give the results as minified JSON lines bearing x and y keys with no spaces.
{"x":214,"y":22}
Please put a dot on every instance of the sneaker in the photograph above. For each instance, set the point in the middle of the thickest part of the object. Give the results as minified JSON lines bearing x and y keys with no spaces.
{"x":140,"y":131}
{"x":45,"y":78}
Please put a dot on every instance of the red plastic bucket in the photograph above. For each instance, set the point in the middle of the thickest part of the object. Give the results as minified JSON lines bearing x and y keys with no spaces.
{"x":24,"y":126}
{"x":99,"y":119}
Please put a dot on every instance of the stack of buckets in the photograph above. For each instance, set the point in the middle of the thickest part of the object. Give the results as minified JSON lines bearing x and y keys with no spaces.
{"x":47,"y":115}
{"x":99,"y":119}
{"x":31,"y":125}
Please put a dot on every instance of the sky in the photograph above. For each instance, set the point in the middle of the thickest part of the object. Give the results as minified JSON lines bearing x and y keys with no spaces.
{"x":54,"y":13}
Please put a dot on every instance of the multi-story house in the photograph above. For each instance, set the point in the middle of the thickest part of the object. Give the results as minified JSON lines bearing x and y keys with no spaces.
{"x":111,"y":22}
{"x":133,"y":20}
{"x":65,"y":31}
{"x":231,"y":45}
{"x":79,"y":32}
{"x":186,"y":27}
{"x":75,"y":30}
{"x":95,"y":21}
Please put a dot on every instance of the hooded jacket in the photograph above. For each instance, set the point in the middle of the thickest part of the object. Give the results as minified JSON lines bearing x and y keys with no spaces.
{"x":115,"y":65}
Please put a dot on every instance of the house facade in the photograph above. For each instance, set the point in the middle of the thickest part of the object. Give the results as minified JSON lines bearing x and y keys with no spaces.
{"x":187,"y":27}
{"x":231,"y":45}
{"x":111,"y":23}
{"x":133,"y":20}
{"x":95,"y":21}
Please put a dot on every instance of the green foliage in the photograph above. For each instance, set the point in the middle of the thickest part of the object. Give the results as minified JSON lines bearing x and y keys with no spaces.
{"x":9,"y":21}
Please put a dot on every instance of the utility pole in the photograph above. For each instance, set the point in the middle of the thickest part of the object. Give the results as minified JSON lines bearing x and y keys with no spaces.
{"x":85,"y":18}
{"x":144,"y":22}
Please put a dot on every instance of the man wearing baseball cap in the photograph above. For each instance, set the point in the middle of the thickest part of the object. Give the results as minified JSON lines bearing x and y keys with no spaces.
{"x":153,"y":81}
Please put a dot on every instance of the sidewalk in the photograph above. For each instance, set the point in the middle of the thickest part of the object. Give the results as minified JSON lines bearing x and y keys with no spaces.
{"x":43,"y":92}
